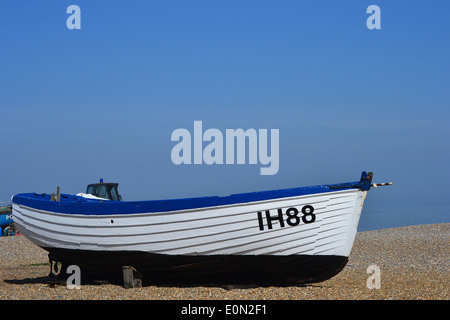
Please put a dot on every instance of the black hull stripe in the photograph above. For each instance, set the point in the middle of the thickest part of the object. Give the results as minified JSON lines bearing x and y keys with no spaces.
{"x":235,"y":269}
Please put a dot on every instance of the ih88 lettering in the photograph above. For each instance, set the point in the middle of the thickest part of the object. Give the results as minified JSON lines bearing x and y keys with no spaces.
{"x":291,"y":216}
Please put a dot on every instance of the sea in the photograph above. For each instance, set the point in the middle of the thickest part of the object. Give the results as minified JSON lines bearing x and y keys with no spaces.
{"x":383,"y":217}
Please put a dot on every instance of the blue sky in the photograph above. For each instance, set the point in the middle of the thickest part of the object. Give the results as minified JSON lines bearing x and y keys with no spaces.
{"x":102,"y":101}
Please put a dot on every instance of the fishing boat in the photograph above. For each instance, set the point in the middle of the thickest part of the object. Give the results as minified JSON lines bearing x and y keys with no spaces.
{"x":296,"y":235}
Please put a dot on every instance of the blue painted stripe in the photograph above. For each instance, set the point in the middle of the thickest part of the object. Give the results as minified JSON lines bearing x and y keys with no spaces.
{"x":71,"y":204}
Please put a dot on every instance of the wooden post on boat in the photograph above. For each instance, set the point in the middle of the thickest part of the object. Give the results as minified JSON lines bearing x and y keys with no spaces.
{"x":57,"y":196}
{"x":131,"y":277}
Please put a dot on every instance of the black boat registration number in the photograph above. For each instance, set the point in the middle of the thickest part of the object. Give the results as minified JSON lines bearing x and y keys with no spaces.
{"x":291,"y":217}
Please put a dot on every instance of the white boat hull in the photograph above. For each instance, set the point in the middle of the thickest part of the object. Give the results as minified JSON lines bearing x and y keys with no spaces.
{"x":304,"y":234}
{"x":225,"y":230}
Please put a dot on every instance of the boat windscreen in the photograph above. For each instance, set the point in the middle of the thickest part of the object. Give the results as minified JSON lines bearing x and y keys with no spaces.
{"x":104,"y":190}
{"x":114,"y":195}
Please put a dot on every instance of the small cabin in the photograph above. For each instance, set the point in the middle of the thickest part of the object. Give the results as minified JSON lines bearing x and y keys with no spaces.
{"x":104,"y":190}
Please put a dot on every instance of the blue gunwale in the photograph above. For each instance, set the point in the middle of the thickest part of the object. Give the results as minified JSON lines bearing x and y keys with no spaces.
{"x":72,"y":204}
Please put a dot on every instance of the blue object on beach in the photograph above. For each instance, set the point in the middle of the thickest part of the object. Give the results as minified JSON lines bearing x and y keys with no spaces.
{"x":6,"y":220}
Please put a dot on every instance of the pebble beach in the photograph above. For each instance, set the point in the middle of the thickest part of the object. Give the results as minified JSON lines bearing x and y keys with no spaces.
{"x":413,"y":264}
